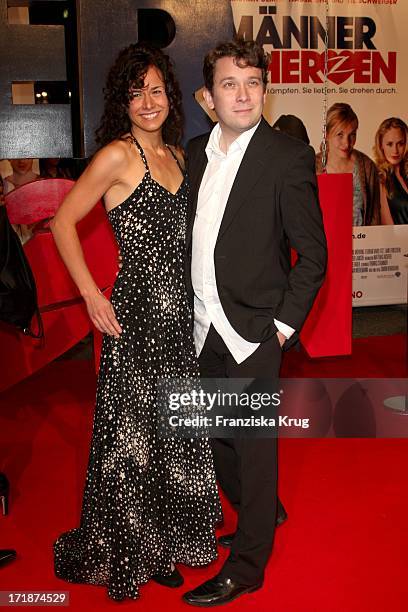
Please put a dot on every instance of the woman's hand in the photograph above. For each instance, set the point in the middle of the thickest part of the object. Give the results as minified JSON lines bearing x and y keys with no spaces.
{"x":102,"y":314}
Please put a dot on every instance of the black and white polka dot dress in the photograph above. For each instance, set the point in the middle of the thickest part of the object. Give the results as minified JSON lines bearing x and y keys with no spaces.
{"x":148,"y":501}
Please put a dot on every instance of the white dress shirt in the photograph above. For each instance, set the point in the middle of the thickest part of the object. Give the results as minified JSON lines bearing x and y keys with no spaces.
{"x":219,"y":176}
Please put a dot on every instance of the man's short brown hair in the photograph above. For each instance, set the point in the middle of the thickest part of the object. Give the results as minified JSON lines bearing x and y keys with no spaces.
{"x":244,"y":52}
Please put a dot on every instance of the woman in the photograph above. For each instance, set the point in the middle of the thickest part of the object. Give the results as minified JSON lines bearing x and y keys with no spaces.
{"x":342,"y":157}
{"x":21,"y":175}
{"x":55,"y":167}
{"x":2,"y":198}
{"x":148,"y":502}
{"x":391,"y":157}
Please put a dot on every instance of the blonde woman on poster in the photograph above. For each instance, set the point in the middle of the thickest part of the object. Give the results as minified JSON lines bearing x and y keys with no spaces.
{"x":391,"y":156}
{"x":342,"y":157}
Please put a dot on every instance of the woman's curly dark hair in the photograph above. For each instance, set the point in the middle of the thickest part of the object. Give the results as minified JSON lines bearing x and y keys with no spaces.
{"x":128,"y":72}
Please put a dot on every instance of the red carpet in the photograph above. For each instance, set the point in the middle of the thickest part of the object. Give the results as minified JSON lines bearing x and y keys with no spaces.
{"x":344,"y":547}
{"x":373,"y":357}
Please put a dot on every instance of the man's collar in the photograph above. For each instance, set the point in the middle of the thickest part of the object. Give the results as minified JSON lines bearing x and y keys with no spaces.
{"x":240,"y":143}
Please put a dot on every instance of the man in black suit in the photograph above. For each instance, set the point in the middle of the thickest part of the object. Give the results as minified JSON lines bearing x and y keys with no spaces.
{"x":253,"y":197}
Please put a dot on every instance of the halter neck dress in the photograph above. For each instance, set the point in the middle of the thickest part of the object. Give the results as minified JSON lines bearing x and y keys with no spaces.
{"x":148,"y":500}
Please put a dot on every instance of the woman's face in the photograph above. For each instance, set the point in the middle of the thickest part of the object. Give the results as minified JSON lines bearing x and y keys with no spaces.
{"x":21,"y":166}
{"x":341,"y":139}
{"x":149,"y":106}
{"x":393,"y":146}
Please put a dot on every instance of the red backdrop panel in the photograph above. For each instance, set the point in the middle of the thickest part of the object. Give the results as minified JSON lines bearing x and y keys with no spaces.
{"x":328,"y":328}
{"x":63,"y":311}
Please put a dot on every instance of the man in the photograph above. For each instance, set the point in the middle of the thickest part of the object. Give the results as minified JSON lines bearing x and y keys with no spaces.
{"x":253,"y":196}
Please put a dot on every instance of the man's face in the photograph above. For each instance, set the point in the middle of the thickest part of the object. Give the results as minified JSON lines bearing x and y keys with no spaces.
{"x":238,"y":96}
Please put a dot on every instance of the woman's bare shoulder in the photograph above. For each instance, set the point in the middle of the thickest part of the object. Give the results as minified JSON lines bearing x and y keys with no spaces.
{"x":115,"y":152}
{"x":116,"y":155}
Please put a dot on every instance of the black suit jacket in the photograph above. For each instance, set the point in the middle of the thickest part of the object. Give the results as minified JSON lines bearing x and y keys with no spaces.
{"x":272,"y":206}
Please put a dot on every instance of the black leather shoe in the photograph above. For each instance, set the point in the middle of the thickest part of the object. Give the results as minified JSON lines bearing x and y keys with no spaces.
{"x":226,"y":540}
{"x":218,"y":591}
{"x":6,"y":556}
{"x":173,"y":580}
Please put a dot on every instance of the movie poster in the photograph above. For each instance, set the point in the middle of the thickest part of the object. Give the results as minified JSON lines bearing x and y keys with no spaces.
{"x":367,"y":45}
{"x":380,"y":265}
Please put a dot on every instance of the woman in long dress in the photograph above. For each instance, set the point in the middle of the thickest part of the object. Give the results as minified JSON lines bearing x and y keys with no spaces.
{"x":149,"y":502}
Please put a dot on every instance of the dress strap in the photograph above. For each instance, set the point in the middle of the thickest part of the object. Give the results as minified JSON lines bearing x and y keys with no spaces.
{"x":176,"y":159}
{"x":143,"y":156}
{"x":139,"y":148}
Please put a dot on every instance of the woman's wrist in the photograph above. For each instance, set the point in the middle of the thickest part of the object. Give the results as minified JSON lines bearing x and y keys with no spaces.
{"x":90,"y":292}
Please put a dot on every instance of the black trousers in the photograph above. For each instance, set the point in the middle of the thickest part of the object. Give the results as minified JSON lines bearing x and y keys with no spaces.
{"x":246,"y":468}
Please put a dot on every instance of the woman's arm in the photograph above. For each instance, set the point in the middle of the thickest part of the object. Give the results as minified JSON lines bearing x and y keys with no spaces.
{"x":97,"y":179}
{"x":386,"y":218}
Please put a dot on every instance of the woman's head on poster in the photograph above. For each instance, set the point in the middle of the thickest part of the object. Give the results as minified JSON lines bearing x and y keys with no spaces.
{"x":391,"y":147}
{"x":292,"y":125}
{"x":341,"y":131}
{"x":391,"y":157}
{"x":343,"y":158}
